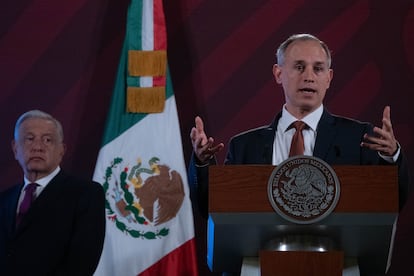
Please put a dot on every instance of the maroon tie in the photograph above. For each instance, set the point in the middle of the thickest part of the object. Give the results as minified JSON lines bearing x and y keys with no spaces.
{"x":29,"y":197}
{"x":297,"y":146}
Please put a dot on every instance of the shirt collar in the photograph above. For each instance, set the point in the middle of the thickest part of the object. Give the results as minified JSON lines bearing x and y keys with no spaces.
{"x":44,"y":180}
{"x":312,"y":119}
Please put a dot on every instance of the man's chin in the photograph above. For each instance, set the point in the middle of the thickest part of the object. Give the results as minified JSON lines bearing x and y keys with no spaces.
{"x":36,"y":168}
{"x":307,"y":108}
{"x":309,"y":105}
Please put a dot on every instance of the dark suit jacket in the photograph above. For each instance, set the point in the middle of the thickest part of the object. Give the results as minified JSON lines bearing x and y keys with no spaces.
{"x":62,"y":233}
{"x":337,"y":142}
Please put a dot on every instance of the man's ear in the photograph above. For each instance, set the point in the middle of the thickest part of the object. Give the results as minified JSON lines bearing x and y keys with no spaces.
{"x":13,"y":146}
{"x":330,"y":78}
{"x":277,"y":70}
{"x":63,"y":149}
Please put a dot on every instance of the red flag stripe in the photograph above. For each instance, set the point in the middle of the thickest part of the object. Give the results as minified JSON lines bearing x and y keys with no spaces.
{"x":180,"y":262}
{"x":160,"y":35}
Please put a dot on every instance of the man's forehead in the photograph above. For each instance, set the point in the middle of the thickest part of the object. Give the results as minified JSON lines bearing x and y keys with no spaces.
{"x":306,"y":50}
{"x":35,"y":123}
{"x":36,"y":120}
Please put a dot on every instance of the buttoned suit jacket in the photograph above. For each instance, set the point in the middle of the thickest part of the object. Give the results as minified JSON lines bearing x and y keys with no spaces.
{"x":62,"y":233}
{"x":337,"y":143}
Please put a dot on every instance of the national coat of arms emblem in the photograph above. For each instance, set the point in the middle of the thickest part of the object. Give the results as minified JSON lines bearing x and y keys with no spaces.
{"x":140,"y":199}
{"x":303,"y":189}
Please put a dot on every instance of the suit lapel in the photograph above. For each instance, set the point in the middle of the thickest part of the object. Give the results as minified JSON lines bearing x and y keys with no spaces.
{"x":268,"y":140}
{"x":326,"y":133}
{"x":40,"y":206}
{"x":12,"y":204}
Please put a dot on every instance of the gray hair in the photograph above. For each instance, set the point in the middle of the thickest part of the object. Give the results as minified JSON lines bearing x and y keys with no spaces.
{"x":280,"y":54}
{"x":38,"y":114}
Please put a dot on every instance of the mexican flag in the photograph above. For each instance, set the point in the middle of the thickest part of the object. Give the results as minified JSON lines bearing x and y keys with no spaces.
{"x":149,"y":228}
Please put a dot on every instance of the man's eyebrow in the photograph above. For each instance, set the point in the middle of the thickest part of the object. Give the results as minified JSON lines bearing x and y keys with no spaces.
{"x":316,"y":62}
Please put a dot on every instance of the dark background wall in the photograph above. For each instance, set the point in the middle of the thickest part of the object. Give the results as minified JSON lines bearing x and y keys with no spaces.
{"x":61,"y":57}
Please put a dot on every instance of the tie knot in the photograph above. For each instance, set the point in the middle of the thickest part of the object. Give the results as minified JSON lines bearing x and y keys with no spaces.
{"x":298,"y":125}
{"x":30,"y":188}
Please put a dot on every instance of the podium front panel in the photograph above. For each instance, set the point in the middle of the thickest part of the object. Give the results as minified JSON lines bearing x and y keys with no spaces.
{"x":242,"y":221}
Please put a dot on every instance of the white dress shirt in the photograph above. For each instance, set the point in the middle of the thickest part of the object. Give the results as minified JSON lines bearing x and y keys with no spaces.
{"x":41,"y":184}
{"x":283,"y":137}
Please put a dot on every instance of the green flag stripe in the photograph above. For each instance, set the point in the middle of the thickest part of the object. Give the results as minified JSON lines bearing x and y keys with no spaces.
{"x":134,"y":25}
{"x":118,"y":119}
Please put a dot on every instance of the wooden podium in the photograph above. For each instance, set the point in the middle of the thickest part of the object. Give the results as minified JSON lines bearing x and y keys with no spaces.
{"x":242,"y":221}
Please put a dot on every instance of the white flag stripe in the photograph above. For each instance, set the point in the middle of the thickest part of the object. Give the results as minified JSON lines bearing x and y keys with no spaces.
{"x":147,"y":35}
{"x":147,"y":32}
{"x":156,"y":135}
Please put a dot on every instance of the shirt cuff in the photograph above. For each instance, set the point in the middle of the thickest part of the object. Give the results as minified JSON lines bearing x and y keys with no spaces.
{"x":202,"y":165}
{"x":394,"y":158}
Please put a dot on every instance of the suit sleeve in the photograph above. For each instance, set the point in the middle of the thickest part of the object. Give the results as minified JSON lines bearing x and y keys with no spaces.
{"x":88,"y":232}
{"x":8,"y":205}
{"x":403,"y":171}
{"x":404,"y":180}
{"x":198,"y":182}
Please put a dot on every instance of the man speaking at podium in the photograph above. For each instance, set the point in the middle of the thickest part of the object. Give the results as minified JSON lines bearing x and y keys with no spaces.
{"x":304,"y":71}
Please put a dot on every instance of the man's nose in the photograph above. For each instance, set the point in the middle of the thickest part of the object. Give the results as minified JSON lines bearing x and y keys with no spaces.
{"x":308,"y":74}
{"x":38,"y":143}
